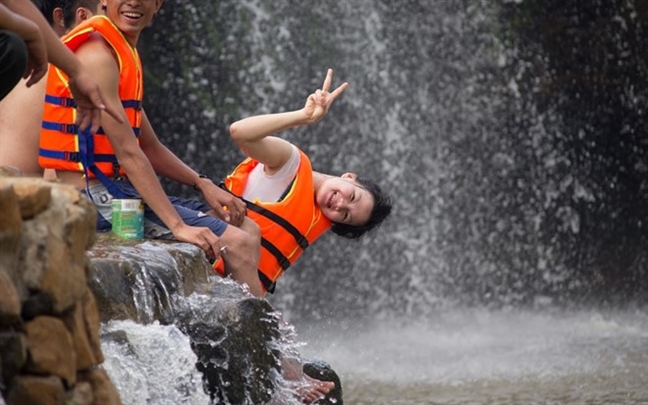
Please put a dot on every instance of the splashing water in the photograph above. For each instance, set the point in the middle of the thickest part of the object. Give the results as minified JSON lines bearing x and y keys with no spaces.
{"x":151,"y":364}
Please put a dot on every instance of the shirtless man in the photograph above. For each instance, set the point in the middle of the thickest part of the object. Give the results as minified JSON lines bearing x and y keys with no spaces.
{"x":21,"y":111}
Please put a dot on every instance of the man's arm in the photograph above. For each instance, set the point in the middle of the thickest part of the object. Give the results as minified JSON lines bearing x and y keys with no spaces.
{"x":84,"y":88}
{"x":30,"y":33}
{"x":252,"y":134}
{"x":97,"y":57}
{"x":167,"y":164}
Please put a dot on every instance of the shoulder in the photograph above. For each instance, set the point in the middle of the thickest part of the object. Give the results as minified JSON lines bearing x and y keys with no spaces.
{"x":96,"y":50}
{"x":94,"y":41}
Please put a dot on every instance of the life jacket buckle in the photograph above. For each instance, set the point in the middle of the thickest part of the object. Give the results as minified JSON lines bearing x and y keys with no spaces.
{"x":116,"y":175}
{"x":72,"y":156}
{"x":68,"y":102}
{"x":69,"y":128}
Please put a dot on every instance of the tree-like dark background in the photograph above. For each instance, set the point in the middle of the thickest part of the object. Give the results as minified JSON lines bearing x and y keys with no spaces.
{"x":510,"y":133}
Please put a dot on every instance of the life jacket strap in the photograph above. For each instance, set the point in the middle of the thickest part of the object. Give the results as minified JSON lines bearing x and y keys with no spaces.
{"x":74,"y":129}
{"x":65,"y":128}
{"x":268,"y":284}
{"x":283,"y":260}
{"x":299,"y":238}
{"x":134,"y":104}
{"x":69,"y":102}
{"x":60,"y":101}
{"x":74,"y":156}
{"x":86,"y":147}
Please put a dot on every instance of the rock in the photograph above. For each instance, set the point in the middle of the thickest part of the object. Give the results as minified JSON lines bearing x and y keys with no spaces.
{"x":32,"y":390}
{"x":37,"y":304}
{"x":56,"y":230}
{"x":10,"y":229}
{"x":13,"y":353}
{"x":83,"y":323}
{"x":81,"y":394}
{"x":234,"y":341}
{"x":34,"y":196}
{"x":50,"y":349}
{"x":141,"y":279}
{"x":104,"y":391}
{"x":49,"y":322}
{"x":59,"y":280}
{"x":9,"y":301}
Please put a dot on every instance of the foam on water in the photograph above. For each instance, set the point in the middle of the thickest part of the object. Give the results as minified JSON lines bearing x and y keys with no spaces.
{"x":153,"y":365}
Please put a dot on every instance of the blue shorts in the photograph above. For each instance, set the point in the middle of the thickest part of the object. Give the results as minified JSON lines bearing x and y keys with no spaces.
{"x":192,"y":212}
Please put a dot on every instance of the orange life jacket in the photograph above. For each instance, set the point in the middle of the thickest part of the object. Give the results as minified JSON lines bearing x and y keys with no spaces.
{"x":288,"y":226}
{"x":61,"y":145}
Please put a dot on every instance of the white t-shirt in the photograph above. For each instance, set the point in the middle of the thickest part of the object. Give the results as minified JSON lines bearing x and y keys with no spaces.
{"x":270,"y":188}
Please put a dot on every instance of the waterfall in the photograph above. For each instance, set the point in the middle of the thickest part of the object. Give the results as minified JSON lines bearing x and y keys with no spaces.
{"x":508,"y":132}
{"x":512,"y":136}
{"x":175,"y":332}
{"x":153,"y":364}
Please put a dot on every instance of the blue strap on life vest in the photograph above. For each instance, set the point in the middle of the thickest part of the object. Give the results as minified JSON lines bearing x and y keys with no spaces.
{"x":65,"y":128}
{"x":69,"y":102}
{"x":74,"y":156}
{"x":86,"y":148}
{"x":73,"y":129}
{"x":134,"y":104}
{"x":61,"y":101}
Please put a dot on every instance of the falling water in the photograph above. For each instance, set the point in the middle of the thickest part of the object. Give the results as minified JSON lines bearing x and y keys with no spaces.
{"x":512,"y":137}
{"x":151,"y":364}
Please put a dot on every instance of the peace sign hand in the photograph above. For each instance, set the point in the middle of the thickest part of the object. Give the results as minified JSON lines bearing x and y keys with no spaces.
{"x":318,"y":103}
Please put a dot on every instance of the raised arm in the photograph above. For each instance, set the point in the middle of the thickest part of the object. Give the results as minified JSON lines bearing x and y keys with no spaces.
{"x":253,"y":134}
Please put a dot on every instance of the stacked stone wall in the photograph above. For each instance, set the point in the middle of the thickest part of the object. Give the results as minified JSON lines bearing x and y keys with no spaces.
{"x":50,"y":349}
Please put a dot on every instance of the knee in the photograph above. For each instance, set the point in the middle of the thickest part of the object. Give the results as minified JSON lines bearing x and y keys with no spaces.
{"x":252,"y":236}
{"x":242,"y":241}
{"x":252,"y":229}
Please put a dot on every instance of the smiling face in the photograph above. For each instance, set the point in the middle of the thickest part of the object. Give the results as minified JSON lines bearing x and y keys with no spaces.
{"x":131,"y":16}
{"x":344,"y":201}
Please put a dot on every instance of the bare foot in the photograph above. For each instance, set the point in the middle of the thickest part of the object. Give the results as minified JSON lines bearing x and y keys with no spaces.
{"x":310,"y":389}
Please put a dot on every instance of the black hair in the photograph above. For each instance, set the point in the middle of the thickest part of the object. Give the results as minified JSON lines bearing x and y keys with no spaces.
{"x":381,"y":210}
{"x":70,"y":7}
{"x":47,"y":7}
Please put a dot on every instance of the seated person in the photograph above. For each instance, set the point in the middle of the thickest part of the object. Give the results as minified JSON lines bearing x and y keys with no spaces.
{"x":124,"y":159}
{"x":292,"y":203}
{"x":21,"y":111}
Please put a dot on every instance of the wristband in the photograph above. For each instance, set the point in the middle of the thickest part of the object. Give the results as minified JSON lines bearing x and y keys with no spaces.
{"x":200,"y":176}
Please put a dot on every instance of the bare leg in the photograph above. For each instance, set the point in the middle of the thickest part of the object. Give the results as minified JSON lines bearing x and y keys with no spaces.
{"x":242,"y":254}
